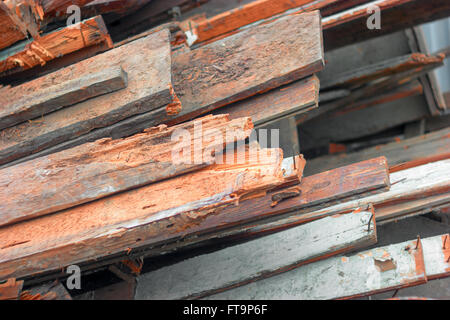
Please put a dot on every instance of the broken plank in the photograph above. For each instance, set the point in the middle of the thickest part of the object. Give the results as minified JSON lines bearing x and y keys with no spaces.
{"x":401,"y":154}
{"x":247,"y":63}
{"x":146,"y":61}
{"x":19,"y":104}
{"x":289,"y":100}
{"x":105,"y":167}
{"x":120,"y":223}
{"x":28,"y":54}
{"x":257,"y":259}
{"x":368,"y":272}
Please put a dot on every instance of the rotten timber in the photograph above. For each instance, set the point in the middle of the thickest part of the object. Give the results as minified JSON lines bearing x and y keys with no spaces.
{"x":207,"y":78}
{"x":409,"y":192}
{"x":19,"y":104}
{"x":366,"y":273}
{"x":379,"y":70}
{"x":28,"y":54}
{"x":147,"y":63}
{"x":401,"y":154}
{"x":247,"y":63}
{"x":290,"y":100}
{"x":350,"y":26}
{"x":129,"y":220}
{"x":261,"y":258}
{"x":105,"y":167}
{"x":314,"y":192}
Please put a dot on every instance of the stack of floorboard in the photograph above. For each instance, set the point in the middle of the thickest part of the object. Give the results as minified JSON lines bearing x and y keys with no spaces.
{"x":91,"y":113}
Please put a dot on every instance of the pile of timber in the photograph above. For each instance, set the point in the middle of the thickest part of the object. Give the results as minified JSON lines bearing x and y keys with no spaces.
{"x":91,"y":113}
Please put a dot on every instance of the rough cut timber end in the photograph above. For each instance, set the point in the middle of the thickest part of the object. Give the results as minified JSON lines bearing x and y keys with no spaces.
{"x":54,"y":45}
{"x":248,"y":63}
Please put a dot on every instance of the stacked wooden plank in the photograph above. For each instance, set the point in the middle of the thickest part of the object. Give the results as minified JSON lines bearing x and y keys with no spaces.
{"x":114,"y":160}
{"x":203,"y":80}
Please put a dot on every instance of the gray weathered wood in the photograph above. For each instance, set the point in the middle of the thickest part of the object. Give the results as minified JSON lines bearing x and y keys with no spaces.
{"x":260,"y":258}
{"x":406,"y":185}
{"x":40,"y":102}
{"x":436,"y":253}
{"x":373,"y":271}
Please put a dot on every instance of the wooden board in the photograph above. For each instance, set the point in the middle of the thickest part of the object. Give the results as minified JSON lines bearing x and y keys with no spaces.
{"x":401,"y":154}
{"x":118,"y":224}
{"x":416,"y":183}
{"x":58,"y":43}
{"x":289,"y":100}
{"x":350,"y":26}
{"x":105,"y":167}
{"x":261,"y":258}
{"x":243,"y":15}
{"x":247,"y":63}
{"x":379,"y":70}
{"x":368,"y":272}
{"x":19,"y":104}
{"x":147,"y":62}
{"x":250,"y":217}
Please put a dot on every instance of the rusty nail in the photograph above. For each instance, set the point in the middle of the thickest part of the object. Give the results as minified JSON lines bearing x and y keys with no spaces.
{"x":418,"y":240}
{"x":370,"y":221}
{"x":445,"y":242}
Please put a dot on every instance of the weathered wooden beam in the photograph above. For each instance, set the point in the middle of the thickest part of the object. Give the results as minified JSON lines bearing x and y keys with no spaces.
{"x":366,"y":273}
{"x":24,"y":102}
{"x":350,"y":26}
{"x":28,"y":54}
{"x":379,"y":70}
{"x":129,"y":220}
{"x":370,"y":93}
{"x":289,"y":100}
{"x":247,"y":63}
{"x":106,"y":167}
{"x":228,"y":21}
{"x":257,"y":259}
{"x":253,"y":217}
{"x":418,"y":183}
{"x":401,"y":154}
{"x":147,"y":63}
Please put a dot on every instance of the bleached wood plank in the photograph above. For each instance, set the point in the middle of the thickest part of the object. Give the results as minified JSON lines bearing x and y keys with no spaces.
{"x":369,"y":272}
{"x":436,"y":252}
{"x":260,"y":258}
